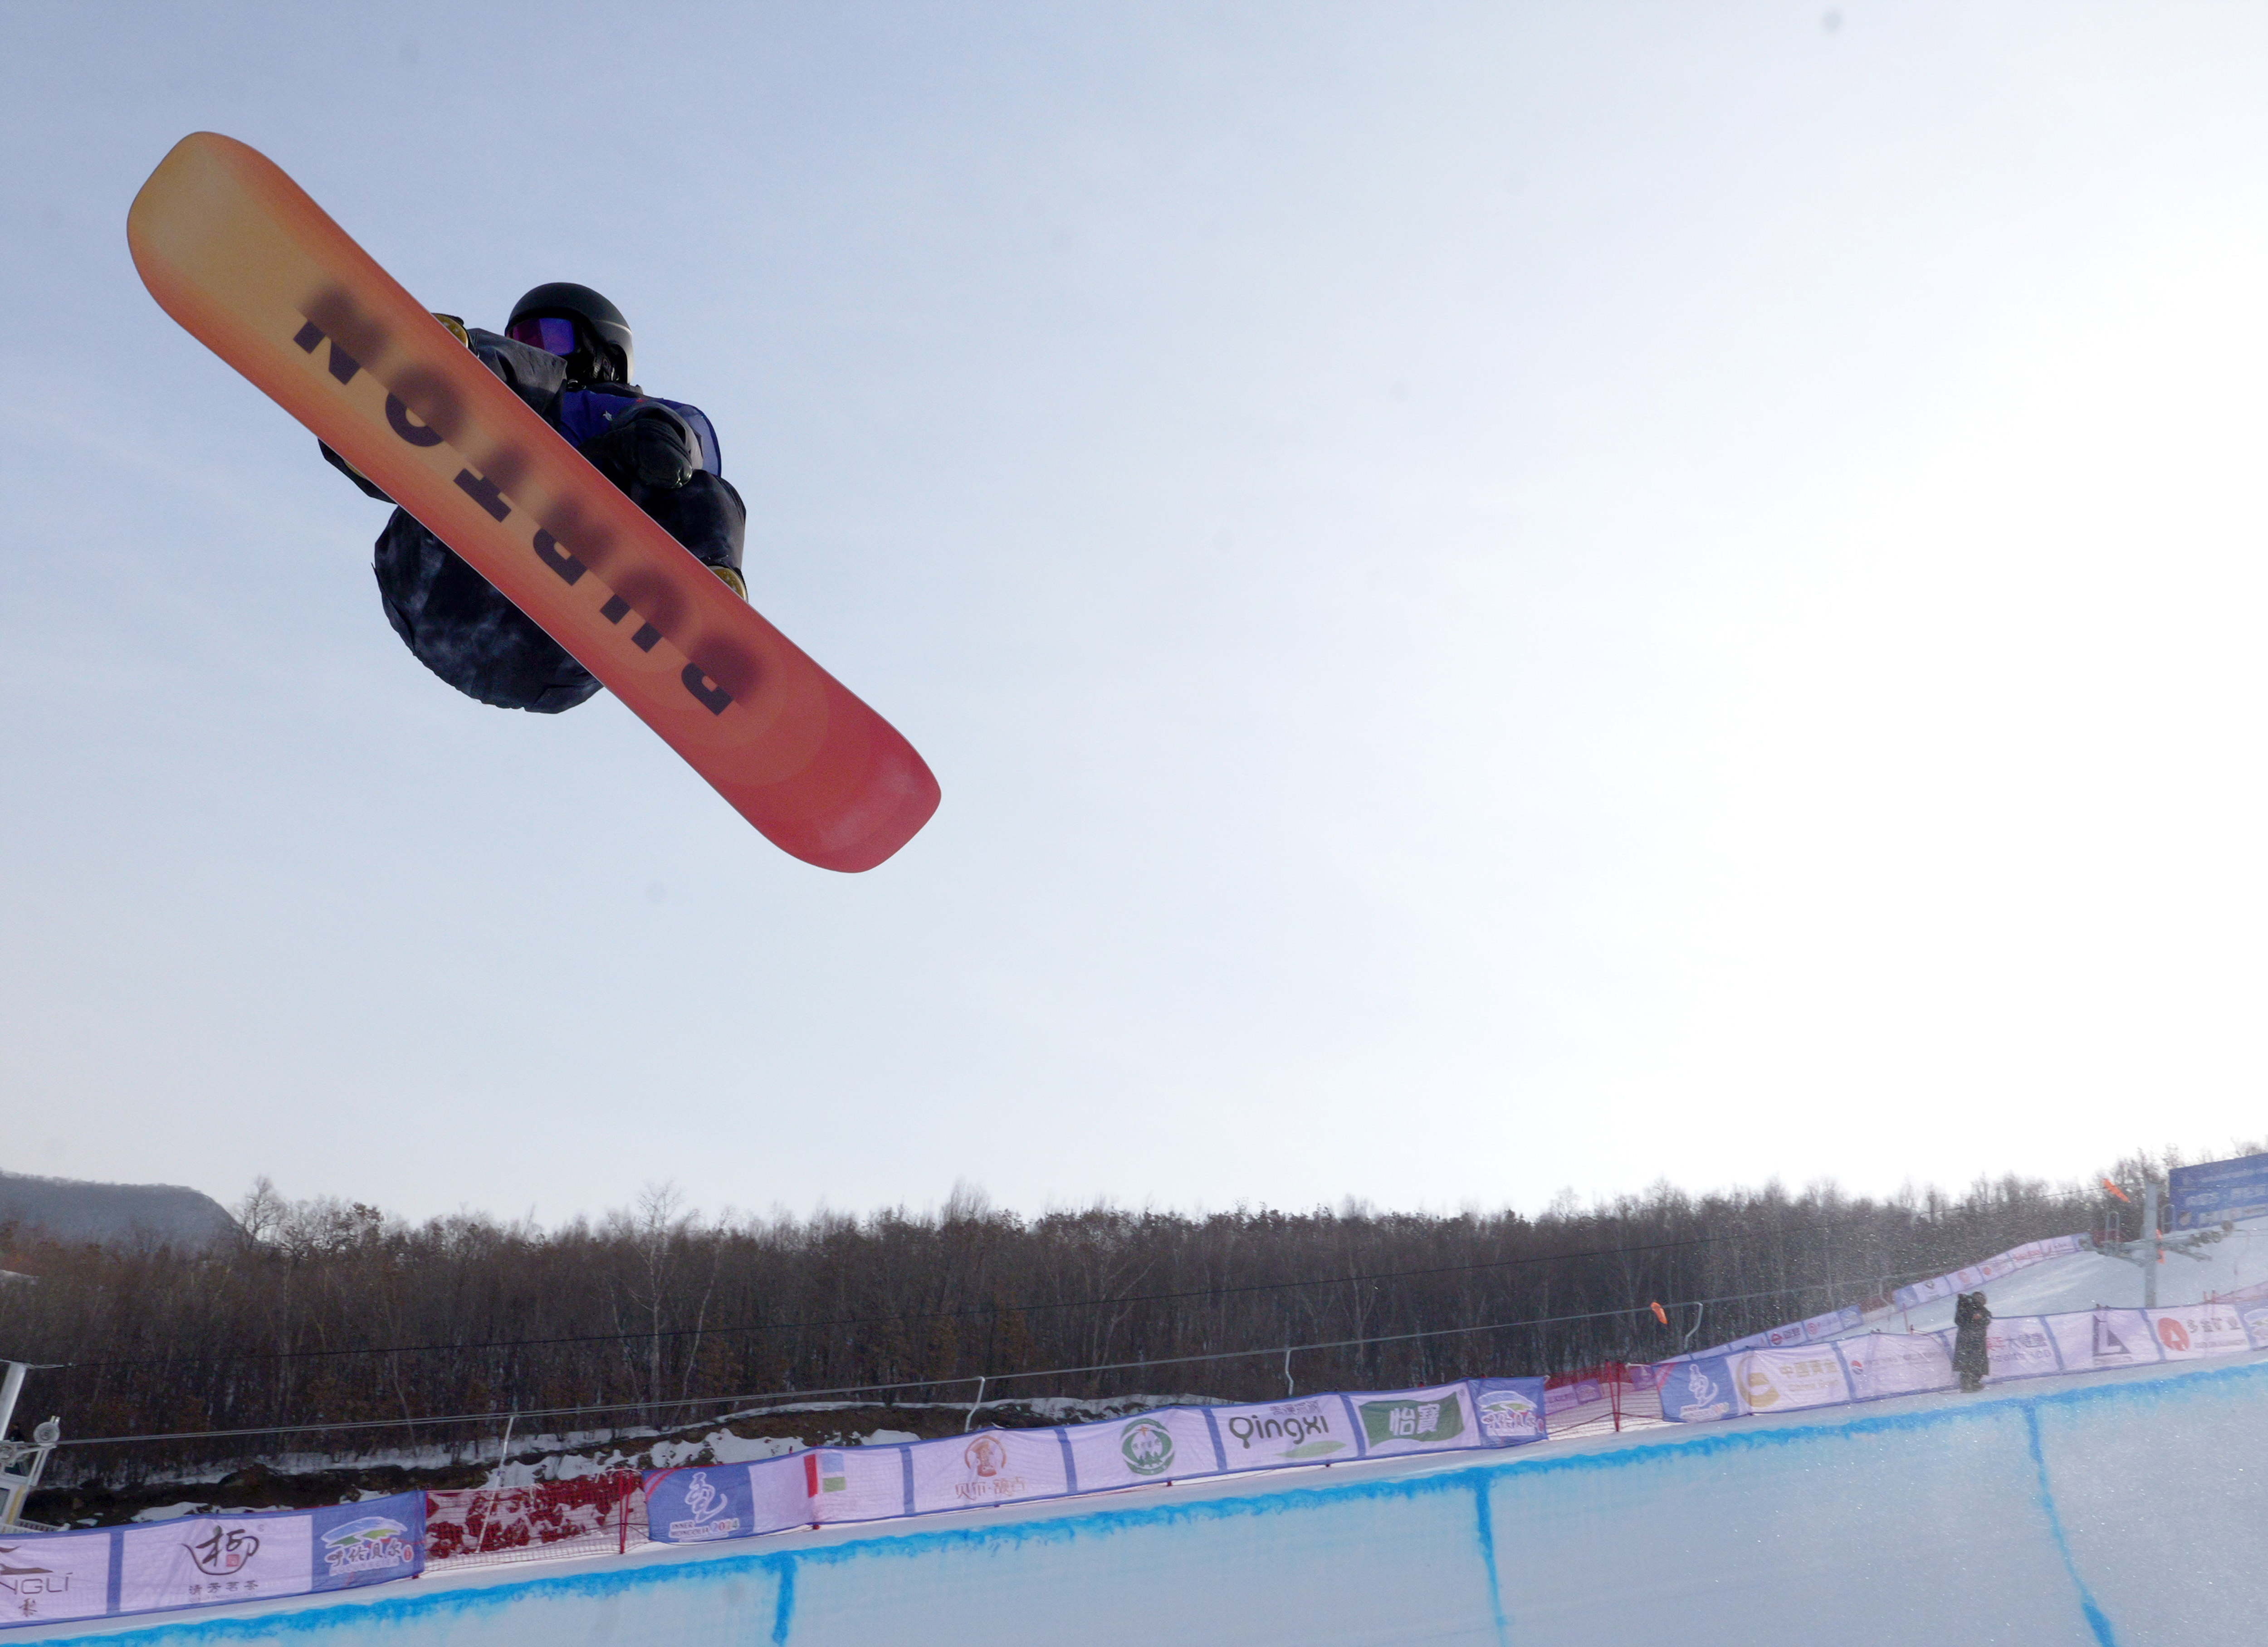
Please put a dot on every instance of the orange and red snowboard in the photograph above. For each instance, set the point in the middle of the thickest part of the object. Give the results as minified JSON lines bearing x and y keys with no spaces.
{"x":238,"y":255}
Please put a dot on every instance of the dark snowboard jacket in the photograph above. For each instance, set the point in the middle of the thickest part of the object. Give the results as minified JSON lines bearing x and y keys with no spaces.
{"x":457,"y":623}
{"x":1970,"y":1316}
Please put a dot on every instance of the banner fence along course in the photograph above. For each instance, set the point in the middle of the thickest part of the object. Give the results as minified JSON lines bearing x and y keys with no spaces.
{"x":1880,"y":1365}
{"x":1002,"y":1466}
{"x":202,"y":1560}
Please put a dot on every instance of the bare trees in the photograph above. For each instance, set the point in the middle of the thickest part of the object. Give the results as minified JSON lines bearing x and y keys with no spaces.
{"x":330,"y":1312}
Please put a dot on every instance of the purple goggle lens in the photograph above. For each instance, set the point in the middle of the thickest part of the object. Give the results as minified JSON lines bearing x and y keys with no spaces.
{"x":545,"y":332}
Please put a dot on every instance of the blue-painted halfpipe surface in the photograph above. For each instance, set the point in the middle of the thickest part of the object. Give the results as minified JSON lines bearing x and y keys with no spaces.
{"x":2125,"y":1509}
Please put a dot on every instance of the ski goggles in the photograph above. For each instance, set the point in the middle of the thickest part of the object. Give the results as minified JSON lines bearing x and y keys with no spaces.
{"x":546,"y":332}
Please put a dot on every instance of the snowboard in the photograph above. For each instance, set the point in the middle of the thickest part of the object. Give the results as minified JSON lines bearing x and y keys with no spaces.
{"x":237,"y":253}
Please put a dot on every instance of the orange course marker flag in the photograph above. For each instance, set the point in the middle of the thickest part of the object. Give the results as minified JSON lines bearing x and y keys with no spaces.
{"x":1660,"y":1314}
{"x":2121,"y":1194}
{"x":237,"y":253}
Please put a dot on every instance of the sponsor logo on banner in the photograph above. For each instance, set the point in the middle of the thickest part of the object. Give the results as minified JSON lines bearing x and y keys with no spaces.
{"x":1694,"y":1397}
{"x":233,"y":1561}
{"x":705,"y":1508}
{"x":987,"y":1458}
{"x":2019,"y":1347}
{"x":1435,"y":1420}
{"x":1506,"y":1413}
{"x":223,"y":1550}
{"x":824,"y":1473}
{"x":1769,"y":1381}
{"x":2203,"y":1329}
{"x":1895,"y":1364}
{"x":27,"y":1583}
{"x":1148,"y":1446}
{"x":54,"y":1577}
{"x":2110,"y":1345}
{"x":370,"y":1544}
{"x":1299,"y":1430}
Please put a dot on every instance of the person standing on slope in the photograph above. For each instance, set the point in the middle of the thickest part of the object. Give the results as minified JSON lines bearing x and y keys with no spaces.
{"x":567,"y":352}
{"x":1971,"y":1356}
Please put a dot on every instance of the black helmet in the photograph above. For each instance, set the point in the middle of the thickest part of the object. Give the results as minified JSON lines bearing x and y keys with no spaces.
{"x":604,"y":335}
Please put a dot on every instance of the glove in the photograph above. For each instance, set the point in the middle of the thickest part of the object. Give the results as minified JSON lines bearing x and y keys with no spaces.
{"x":648,"y":444}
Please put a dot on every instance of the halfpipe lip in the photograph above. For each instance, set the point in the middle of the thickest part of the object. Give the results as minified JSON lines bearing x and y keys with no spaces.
{"x":1173,"y":1500}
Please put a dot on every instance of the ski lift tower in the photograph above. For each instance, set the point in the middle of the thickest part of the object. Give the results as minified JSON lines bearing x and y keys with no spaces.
{"x":20,"y":1461}
{"x":2150,"y":1249}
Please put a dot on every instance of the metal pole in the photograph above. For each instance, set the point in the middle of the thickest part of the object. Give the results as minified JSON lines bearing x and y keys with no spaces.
{"x":10,"y":1387}
{"x":2150,"y":1234}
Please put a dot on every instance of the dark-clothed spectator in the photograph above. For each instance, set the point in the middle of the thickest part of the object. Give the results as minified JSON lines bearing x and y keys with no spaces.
{"x":1971,"y":1359}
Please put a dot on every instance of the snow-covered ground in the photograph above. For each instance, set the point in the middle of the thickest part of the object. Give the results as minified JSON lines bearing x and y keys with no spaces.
{"x":2086,"y":1280}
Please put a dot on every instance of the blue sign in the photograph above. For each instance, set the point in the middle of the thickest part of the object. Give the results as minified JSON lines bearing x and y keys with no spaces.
{"x":2220,"y":1191}
{"x":1510,"y":1410}
{"x":694,"y":1506}
{"x":1695,"y":1392}
{"x":370,"y":1542}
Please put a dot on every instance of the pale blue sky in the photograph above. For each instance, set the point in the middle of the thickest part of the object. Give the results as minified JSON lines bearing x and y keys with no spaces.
{"x":1504,"y":597}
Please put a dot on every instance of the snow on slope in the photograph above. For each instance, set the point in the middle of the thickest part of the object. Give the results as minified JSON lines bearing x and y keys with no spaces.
{"x":2084,"y":1280}
{"x":2121,"y":1510}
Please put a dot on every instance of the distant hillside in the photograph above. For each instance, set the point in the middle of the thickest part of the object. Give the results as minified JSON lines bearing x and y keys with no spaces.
{"x":138,"y":1214}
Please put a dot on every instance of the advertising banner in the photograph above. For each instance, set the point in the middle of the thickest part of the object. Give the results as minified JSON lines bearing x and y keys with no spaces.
{"x":2255,"y":1317}
{"x":1976,"y":1275}
{"x":199,"y":1560}
{"x":2020,"y":1347}
{"x":1834,"y":1322}
{"x":1883,"y":1364}
{"x":1303,"y":1431}
{"x":854,"y":1483}
{"x":53,"y":1576}
{"x":1699,"y":1391}
{"x":1415,"y":1421}
{"x":1151,"y":1446}
{"x":370,"y":1542}
{"x":1561,"y":1397}
{"x":697,"y":1505}
{"x":2099,"y":1338}
{"x":1512,"y":1411}
{"x":2218,"y":1192}
{"x":991,"y":1466}
{"x":1921,"y":1292}
{"x":2190,"y":1331}
{"x":2074,"y":1337}
{"x":1789,"y":1380}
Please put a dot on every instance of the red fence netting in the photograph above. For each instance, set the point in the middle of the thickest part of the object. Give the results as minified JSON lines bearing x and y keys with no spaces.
{"x":480,"y":1525}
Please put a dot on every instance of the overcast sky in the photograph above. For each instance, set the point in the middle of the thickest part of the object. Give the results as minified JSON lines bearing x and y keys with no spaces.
{"x":1505,"y":597}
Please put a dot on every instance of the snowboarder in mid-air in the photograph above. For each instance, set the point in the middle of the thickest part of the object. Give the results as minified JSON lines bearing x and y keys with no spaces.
{"x":566,"y":351}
